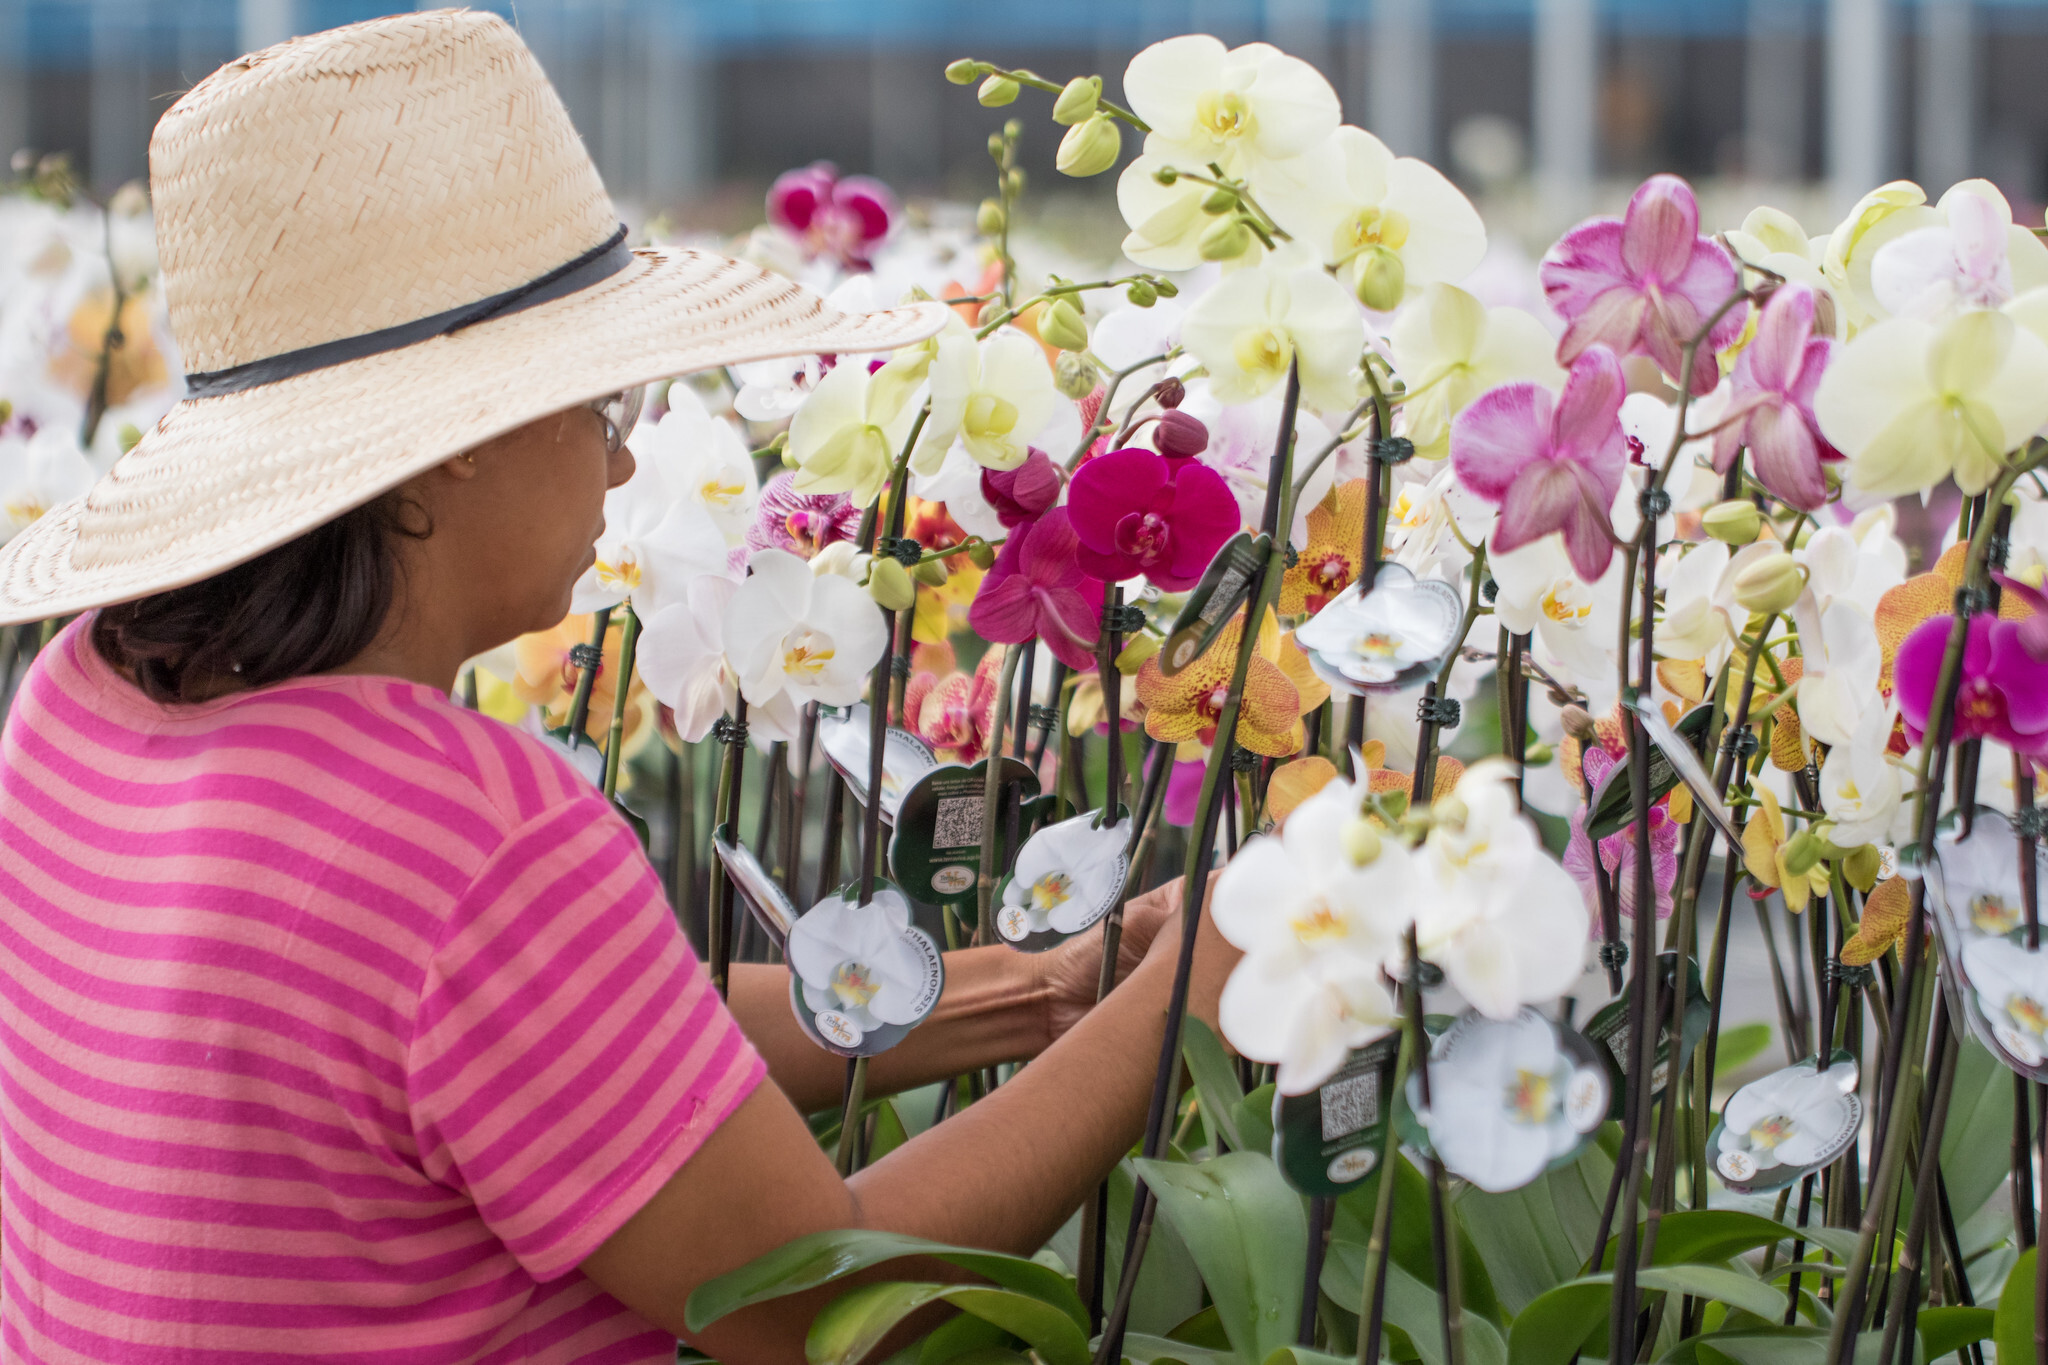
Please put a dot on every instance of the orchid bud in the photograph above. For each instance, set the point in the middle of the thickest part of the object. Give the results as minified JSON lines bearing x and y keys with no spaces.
{"x":1736,"y":521}
{"x":1014,"y":128}
{"x":1362,"y":842}
{"x":963,"y":71}
{"x":1171,"y":393}
{"x":995,"y":146}
{"x":1537,"y":754}
{"x":1578,"y":723}
{"x":1180,"y":436}
{"x":1013,"y":182}
{"x":889,"y":584}
{"x":6,"y":410}
{"x":1142,"y":294}
{"x":1061,"y":325}
{"x":1803,"y":852}
{"x":1770,"y":585}
{"x":1165,"y":175}
{"x":1225,"y":240}
{"x":981,"y":554}
{"x":1078,"y":100}
{"x":1862,"y":866}
{"x":129,"y":436}
{"x":1380,"y":279}
{"x":997,"y":91}
{"x":1075,"y":375}
{"x":989,"y":218}
{"x":1143,"y":646}
{"x":1090,"y":148}
{"x":931,"y":572}
{"x":1220,"y":200}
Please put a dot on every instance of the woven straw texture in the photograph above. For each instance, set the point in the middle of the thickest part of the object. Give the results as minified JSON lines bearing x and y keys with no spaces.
{"x":349,"y":181}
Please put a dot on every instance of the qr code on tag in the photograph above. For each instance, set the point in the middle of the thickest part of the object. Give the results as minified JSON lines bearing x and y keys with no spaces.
{"x":958,"y":822}
{"x":1350,"y":1105}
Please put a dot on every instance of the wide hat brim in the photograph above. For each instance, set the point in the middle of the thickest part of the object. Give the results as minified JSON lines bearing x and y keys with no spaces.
{"x":221,"y":480}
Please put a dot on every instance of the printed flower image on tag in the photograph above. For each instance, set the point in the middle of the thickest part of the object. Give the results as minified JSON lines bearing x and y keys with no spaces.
{"x":1066,"y":878}
{"x":905,"y":757}
{"x":861,"y":976}
{"x":1387,"y":639}
{"x":1973,"y":888}
{"x":1786,"y":1125}
{"x":1509,"y":1099}
{"x":765,"y":900}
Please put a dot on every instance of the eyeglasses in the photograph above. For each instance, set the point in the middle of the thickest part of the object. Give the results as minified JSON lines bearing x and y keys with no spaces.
{"x":619,"y":412}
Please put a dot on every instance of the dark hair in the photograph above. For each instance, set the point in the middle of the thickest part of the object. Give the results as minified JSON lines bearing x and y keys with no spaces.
{"x":310,"y":605}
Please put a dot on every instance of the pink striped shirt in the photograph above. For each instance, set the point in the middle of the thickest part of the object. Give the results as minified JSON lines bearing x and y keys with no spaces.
{"x":335,"y":1021}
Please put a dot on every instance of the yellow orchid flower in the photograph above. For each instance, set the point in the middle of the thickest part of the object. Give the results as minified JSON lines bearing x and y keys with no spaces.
{"x":1187,"y":705}
{"x":1336,"y":538}
{"x":1887,"y":910}
{"x":1763,"y":854}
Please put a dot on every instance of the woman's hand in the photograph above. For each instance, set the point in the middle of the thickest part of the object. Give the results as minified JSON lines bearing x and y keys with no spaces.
{"x":1071,"y":973}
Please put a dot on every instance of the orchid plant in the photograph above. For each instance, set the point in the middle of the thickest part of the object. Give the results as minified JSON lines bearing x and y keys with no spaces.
{"x":1189,"y":562}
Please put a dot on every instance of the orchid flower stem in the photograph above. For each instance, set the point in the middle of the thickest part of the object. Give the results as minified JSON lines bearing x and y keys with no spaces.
{"x":1450,"y":1310}
{"x":1261,"y":221}
{"x":1692,"y":347}
{"x":799,"y":801}
{"x":110,"y":341}
{"x":1195,"y":879}
{"x":985,"y":890}
{"x":615,"y":740}
{"x":1372,"y":1304}
{"x":878,"y":741}
{"x":731,"y":776}
{"x":1058,"y":291}
{"x":1099,"y":427}
{"x":579,"y":700}
{"x":849,"y":1112}
{"x":1037,"y":82}
{"x":1905,"y":1294}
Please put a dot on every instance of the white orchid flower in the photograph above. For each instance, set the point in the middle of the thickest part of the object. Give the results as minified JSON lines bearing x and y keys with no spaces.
{"x":1859,"y":787}
{"x":1507,"y":1100}
{"x":857,"y":961}
{"x":1166,"y":221}
{"x":2012,"y":990}
{"x":681,"y":656}
{"x":1065,"y":877}
{"x":845,"y":437}
{"x":905,"y":757}
{"x":994,"y":397}
{"x":1857,"y":563}
{"x":1693,"y":485}
{"x":1374,"y":638}
{"x":1388,"y":225}
{"x":1572,"y":623}
{"x":814,"y":637}
{"x":1797,"y":1116}
{"x":38,"y":473}
{"x":957,"y":483}
{"x":1317,"y":931}
{"x":771,"y":391}
{"x":1890,"y":213}
{"x":1243,"y":108}
{"x":1241,"y":450}
{"x":659,"y":535}
{"x":1450,"y":348}
{"x":1934,"y":272}
{"x":1773,"y":240}
{"x":1910,"y":402}
{"x":706,"y":459}
{"x":1698,"y":612}
{"x":1256,"y":320}
{"x":1429,"y":513}
{"x":1843,"y":660}
{"x":1505,"y":921}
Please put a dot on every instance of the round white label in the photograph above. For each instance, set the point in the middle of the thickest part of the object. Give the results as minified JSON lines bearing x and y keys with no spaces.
{"x":953,"y":879}
{"x":1013,"y":923}
{"x":1185,"y":652}
{"x":839,"y":1030}
{"x":1585,"y":1099}
{"x":1887,"y":862}
{"x":1736,"y":1165}
{"x":1355,"y":1164}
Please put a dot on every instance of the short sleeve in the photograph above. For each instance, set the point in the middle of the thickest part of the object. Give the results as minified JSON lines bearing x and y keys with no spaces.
{"x":569,"y":1053}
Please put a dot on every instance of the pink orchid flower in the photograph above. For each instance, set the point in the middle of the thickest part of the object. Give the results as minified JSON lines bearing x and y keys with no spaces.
{"x":1022,"y":494}
{"x":801,"y":523}
{"x":1138,"y":512}
{"x":1618,"y":850}
{"x":1646,"y":282}
{"x":846,"y":217}
{"x":1036,"y":590}
{"x":1549,"y":464}
{"x":1772,"y":399}
{"x":2003,"y":692}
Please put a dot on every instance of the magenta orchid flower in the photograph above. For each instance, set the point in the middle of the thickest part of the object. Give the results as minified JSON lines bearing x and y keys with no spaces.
{"x":1549,"y":464}
{"x":1772,"y":397}
{"x":2003,"y":692}
{"x":845,"y":217}
{"x":1646,"y":282}
{"x":1022,"y":494}
{"x":1618,"y":850}
{"x":1184,"y":792}
{"x":1036,"y":590}
{"x":1138,"y":512}
{"x":801,"y":523}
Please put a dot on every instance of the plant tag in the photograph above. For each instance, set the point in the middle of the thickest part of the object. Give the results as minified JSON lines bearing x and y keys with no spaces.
{"x":766,"y":902}
{"x":1329,"y":1139}
{"x":1677,"y":749}
{"x":1225,"y":585}
{"x":1613,"y":806}
{"x":862,"y":976}
{"x":1787,"y":1125}
{"x":1066,"y":878}
{"x":1608,"y":1029}
{"x":935,"y":853}
{"x":905,"y":757}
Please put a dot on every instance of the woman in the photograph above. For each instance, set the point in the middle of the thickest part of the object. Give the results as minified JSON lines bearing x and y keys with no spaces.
{"x":336,"y":1020}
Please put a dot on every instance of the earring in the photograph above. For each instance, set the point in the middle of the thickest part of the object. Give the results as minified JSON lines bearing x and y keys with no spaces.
{"x":469,"y":458}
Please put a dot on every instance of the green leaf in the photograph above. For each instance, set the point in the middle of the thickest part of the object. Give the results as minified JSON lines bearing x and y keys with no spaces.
{"x":1145,"y":1350}
{"x":1762,"y":1346}
{"x":1731,"y":1287}
{"x":1302,"y":1355}
{"x":2012,"y":1327}
{"x":889,"y":1131}
{"x":1558,"y":1324}
{"x":1976,"y":1143}
{"x":1248,"y":1233}
{"x":823,"y":1257}
{"x":1708,"y":1235}
{"x":1743,"y":1043}
{"x":1216,"y":1083}
{"x":855,"y":1323}
{"x":1203,"y":1329}
{"x":956,"y":1337}
{"x":1169,"y":1288}
{"x":1538,"y":1237}
{"x":1255,"y":1120}
{"x":1944,"y":1331}
{"x":1410,"y":1235}
{"x":1411,"y":1308}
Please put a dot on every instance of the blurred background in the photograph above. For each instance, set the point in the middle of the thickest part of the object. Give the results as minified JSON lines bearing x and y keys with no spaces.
{"x":1541,"y":109}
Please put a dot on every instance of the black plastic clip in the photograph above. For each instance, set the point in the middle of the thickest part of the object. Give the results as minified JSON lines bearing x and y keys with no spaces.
{"x":726,"y":730}
{"x":1243,"y":760}
{"x":1972,"y":601}
{"x":1614,"y":956}
{"x":1442,"y":712}
{"x":1856,"y":978}
{"x":1742,"y":742}
{"x":1391,"y":449}
{"x":1489,"y":590}
{"x":2030,"y":822}
{"x":903,"y":549}
{"x":586,"y":656}
{"x":1653,"y":502}
{"x":1128,"y":619}
{"x":1290,"y":555}
{"x":899,"y":665}
{"x":1042,"y":717}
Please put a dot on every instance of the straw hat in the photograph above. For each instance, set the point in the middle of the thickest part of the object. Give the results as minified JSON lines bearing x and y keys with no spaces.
{"x":382,"y":245}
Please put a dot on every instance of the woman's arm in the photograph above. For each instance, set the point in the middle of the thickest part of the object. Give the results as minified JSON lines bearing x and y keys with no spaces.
{"x":1003,"y":1174}
{"x":999,"y":1005}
